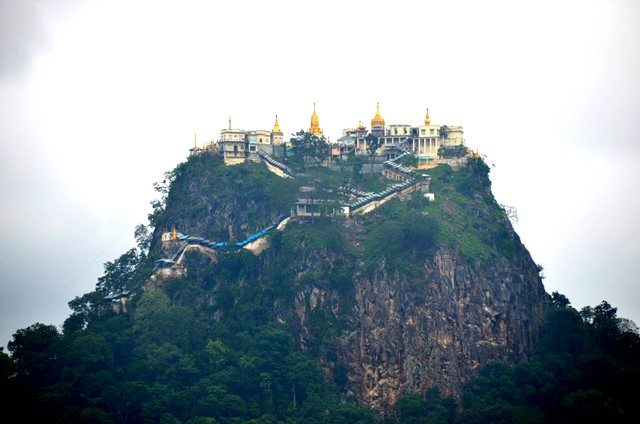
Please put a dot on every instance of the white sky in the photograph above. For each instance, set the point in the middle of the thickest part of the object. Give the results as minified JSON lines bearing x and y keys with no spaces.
{"x":98,"y":99}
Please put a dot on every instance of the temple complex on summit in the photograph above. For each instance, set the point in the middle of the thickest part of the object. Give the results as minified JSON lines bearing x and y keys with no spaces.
{"x":383,"y":141}
{"x":423,"y":140}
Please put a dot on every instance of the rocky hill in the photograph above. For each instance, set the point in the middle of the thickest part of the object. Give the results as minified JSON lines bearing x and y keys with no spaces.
{"x":395,"y":315}
{"x":334,"y":319}
{"x":412,"y":295}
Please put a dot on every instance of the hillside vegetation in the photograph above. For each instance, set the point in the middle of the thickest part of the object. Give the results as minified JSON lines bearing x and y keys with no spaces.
{"x":270,"y":338}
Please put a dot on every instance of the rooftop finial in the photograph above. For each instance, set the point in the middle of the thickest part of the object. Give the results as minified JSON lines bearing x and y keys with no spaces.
{"x":315,"y":122}
{"x":276,"y":126}
{"x":378,"y":120}
{"x":229,"y":121}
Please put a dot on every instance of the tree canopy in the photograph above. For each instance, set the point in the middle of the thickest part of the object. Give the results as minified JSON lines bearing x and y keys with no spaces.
{"x":308,"y":149}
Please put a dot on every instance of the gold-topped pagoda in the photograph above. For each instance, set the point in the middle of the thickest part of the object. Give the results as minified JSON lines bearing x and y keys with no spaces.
{"x":377,"y":123}
{"x":276,"y":126}
{"x":315,"y":123}
{"x":377,"y":119}
{"x":427,"y":120}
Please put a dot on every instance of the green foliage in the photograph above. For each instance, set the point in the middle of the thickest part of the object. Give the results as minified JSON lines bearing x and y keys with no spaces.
{"x":124,"y":273}
{"x":410,"y":160}
{"x":357,"y":163}
{"x":156,"y":321}
{"x":458,"y":151}
{"x":323,"y":260}
{"x":558,"y":300}
{"x":6,"y":367}
{"x":34,"y":351}
{"x":584,"y":371}
{"x":159,"y":367}
{"x":303,"y":239}
{"x":473,"y":178}
{"x":217,"y":346}
{"x":444,"y":132}
{"x":430,"y":409}
{"x":400,"y":237}
{"x":308,"y":148}
{"x":578,"y":374}
{"x":472,"y":221}
{"x":209,"y":199}
{"x":373,"y":144}
{"x":217,"y":351}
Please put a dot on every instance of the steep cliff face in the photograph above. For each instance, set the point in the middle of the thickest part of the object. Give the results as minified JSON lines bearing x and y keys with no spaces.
{"x":436,"y":328}
{"x":413,"y":295}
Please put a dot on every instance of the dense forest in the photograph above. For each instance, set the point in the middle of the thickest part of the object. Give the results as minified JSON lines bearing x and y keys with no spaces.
{"x":211,"y":347}
{"x":156,"y":367}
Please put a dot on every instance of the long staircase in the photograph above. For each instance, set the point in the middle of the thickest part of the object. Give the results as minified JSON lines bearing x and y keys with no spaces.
{"x":274,"y":162}
{"x":208,"y":244}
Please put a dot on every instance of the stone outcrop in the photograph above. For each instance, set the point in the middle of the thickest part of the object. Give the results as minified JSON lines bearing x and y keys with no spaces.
{"x":410,"y":334}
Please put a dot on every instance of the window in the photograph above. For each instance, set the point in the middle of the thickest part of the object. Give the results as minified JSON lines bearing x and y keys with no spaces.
{"x":432,"y":131}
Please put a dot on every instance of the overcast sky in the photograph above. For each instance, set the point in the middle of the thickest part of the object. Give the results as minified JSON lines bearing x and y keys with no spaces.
{"x":99,"y":99}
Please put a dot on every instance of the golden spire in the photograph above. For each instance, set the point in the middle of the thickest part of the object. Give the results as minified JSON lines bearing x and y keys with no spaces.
{"x":427,"y":120}
{"x":194,"y":141}
{"x":315,"y":122}
{"x":276,"y":126}
{"x":377,"y":120}
{"x":174,"y":234}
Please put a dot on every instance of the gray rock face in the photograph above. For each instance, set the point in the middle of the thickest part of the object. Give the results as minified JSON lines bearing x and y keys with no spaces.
{"x":408,"y":335}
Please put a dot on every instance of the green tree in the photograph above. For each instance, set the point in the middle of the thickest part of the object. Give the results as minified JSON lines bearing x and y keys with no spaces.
{"x":89,"y":352}
{"x":6,"y":369}
{"x":373,"y":145}
{"x":557,"y":299}
{"x":156,"y":321}
{"x":411,"y":408}
{"x":444,"y":132}
{"x":84,"y":309}
{"x":217,"y":351}
{"x":458,"y":151}
{"x":308,"y":148}
{"x":440,"y":410}
{"x":357,"y":163}
{"x":35,"y":354}
{"x":124,"y":273}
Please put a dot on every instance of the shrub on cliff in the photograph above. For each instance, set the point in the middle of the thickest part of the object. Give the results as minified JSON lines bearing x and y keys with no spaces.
{"x":452,"y":151}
